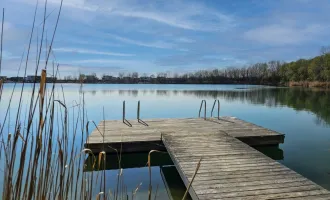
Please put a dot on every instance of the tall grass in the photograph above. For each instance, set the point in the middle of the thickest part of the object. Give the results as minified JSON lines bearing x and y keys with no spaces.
{"x":44,"y":156}
{"x":41,"y":158}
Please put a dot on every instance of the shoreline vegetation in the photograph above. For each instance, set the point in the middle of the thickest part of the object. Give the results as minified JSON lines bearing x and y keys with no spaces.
{"x":309,"y":84}
{"x":314,"y":72}
{"x":305,"y":84}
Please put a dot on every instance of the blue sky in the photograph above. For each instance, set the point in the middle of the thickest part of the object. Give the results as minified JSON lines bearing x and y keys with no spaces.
{"x":110,"y":36}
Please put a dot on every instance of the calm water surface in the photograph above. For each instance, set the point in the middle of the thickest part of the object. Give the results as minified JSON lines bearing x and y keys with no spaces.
{"x":303,"y":115}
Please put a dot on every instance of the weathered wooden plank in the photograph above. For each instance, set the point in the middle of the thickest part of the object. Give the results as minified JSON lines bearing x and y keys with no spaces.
{"x":271,"y":192}
{"x":258,"y":190}
{"x":242,"y":183}
{"x":272,"y":196}
{"x":309,"y":197}
{"x":232,"y":170}
{"x":237,"y":172}
{"x":233,"y":179}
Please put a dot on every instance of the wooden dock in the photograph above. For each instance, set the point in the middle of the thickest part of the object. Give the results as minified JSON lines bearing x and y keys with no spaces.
{"x":146,"y":135}
{"x":230,"y":168}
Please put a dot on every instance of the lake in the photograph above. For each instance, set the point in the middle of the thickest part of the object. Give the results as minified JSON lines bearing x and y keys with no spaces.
{"x":303,"y":115}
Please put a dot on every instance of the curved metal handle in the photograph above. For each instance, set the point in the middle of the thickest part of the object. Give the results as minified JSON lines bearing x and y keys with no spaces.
{"x":215,"y":101}
{"x":200,"y":109}
{"x":124,"y":111}
{"x":138,"y":111}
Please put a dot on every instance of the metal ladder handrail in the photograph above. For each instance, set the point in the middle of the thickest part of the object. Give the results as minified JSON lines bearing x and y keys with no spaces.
{"x":138,"y":115}
{"x":138,"y":111}
{"x":124,"y":111}
{"x":218,"y":108}
{"x":200,"y":109}
{"x":125,"y":121}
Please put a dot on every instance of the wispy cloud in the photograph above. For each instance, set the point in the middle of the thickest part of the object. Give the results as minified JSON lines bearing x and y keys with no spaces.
{"x":179,"y":14}
{"x":8,"y":55}
{"x":108,"y":62}
{"x":128,"y":65}
{"x":199,"y":59}
{"x":185,"y":40}
{"x":281,"y":34}
{"x":87,"y":51}
{"x":157,"y":44}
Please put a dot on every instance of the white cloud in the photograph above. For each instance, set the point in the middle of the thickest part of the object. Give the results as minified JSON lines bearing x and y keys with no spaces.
{"x":185,"y":40}
{"x":283,"y":35}
{"x":103,"y":65}
{"x":75,"y":4}
{"x":12,"y":33}
{"x":87,"y":51}
{"x":127,"y":63}
{"x":8,"y":55}
{"x":157,"y":44}
{"x":178,"y":14}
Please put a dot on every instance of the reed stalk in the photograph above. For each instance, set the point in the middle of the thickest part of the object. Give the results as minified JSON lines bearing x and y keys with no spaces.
{"x":192,"y":180}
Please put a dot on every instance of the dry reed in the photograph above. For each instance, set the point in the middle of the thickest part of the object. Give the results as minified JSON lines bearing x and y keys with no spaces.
{"x":192,"y":180}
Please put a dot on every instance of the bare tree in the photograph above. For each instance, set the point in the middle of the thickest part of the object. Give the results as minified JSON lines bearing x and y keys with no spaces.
{"x":135,"y":75}
{"x":121,"y":75}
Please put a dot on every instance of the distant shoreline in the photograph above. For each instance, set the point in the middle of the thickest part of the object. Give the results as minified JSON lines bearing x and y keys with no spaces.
{"x":304,"y":84}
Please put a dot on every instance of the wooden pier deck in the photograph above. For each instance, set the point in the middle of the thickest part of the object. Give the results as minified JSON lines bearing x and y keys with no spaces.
{"x":230,"y":168}
{"x":146,"y":135}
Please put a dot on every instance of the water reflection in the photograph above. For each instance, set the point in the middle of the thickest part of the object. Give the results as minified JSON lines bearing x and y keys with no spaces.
{"x":316,"y":101}
{"x":164,"y":174}
{"x":274,"y":152}
{"x":173,"y":183}
{"x":168,"y":178}
{"x":130,"y":160}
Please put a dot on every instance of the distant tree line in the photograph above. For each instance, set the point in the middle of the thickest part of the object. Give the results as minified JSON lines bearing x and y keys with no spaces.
{"x":259,"y":73}
{"x":316,"y":69}
{"x":313,"y":70}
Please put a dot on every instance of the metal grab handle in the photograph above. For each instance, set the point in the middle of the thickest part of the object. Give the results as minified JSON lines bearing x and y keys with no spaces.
{"x":218,"y":108}
{"x":138,"y":111}
{"x":124,"y":114}
{"x":124,"y":111}
{"x":200,"y":109}
{"x":138,"y":115}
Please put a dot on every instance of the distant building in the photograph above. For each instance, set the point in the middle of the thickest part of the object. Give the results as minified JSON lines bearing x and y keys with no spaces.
{"x":31,"y":79}
{"x":51,"y":79}
{"x":145,"y":79}
{"x":91,"y":78}
{"x":107,"y":78}
{"x":16,"y":79}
